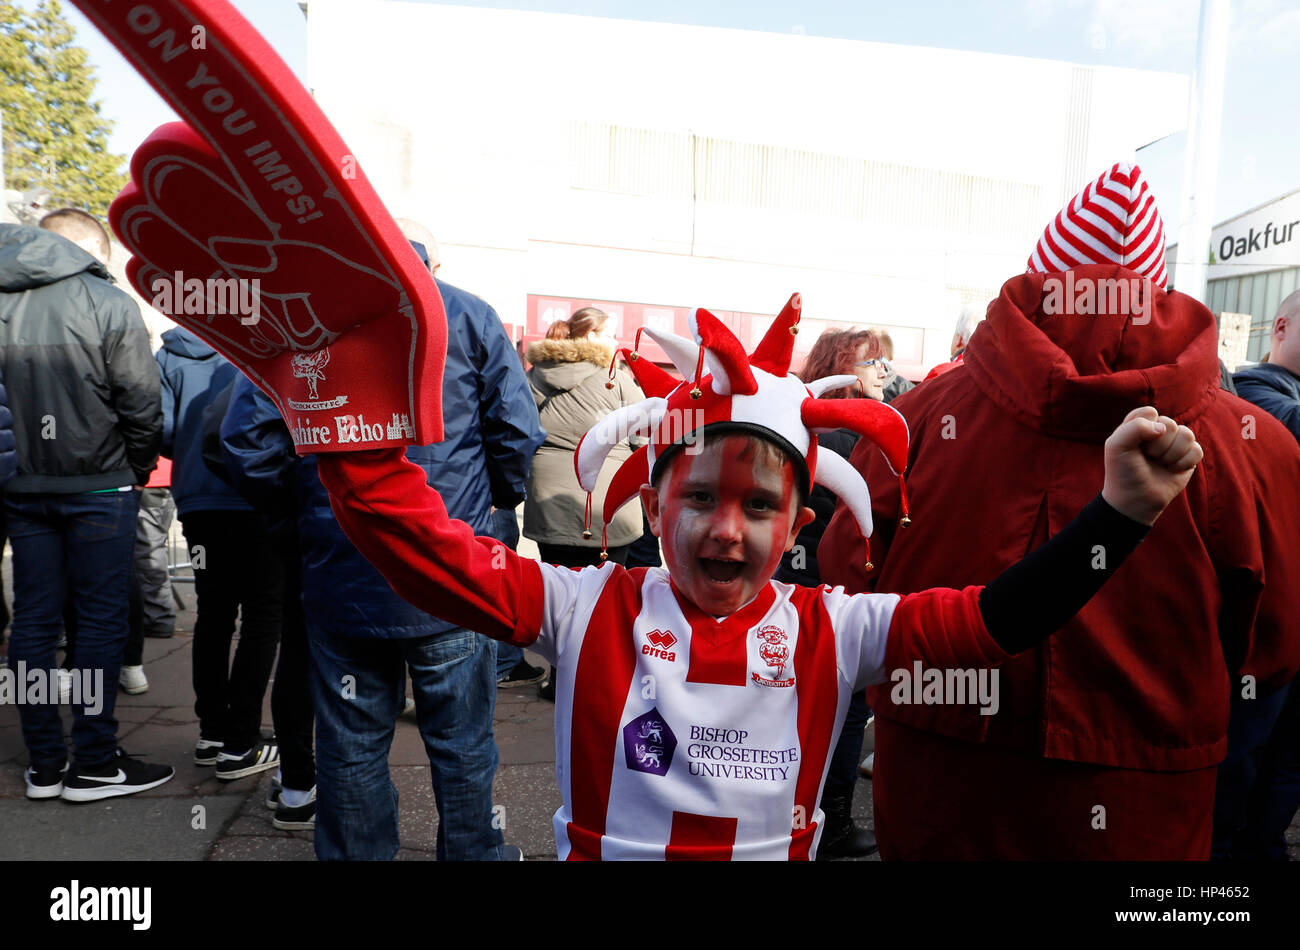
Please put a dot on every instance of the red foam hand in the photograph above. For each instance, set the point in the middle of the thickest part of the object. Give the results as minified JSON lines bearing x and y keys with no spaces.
{"x":251,"y":224}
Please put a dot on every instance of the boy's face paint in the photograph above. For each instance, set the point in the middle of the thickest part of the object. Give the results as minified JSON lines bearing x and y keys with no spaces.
{"x":725,"y":515}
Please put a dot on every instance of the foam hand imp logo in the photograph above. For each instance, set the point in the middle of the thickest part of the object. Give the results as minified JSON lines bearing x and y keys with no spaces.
{"x":649,"y":744}
{"x":255,"y":198}
{"x":179,"y":216}
{"x":321,"y":294}
{"x":311,"y":367}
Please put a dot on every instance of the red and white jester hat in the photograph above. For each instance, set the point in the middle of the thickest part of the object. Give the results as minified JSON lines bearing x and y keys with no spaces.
{"x":724,"y":389}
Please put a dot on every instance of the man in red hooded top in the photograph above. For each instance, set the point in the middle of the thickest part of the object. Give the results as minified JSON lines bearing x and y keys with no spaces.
{"x":1105,"y":741}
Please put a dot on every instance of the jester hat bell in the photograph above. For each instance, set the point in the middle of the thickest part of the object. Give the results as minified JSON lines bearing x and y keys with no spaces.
{"x":726,"y":390}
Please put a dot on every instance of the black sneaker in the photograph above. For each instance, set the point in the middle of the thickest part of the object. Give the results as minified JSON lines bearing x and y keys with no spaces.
{"x":273,"y":794}
{"x":841,"y":836}
{"x":547,"y":690}
{"x":265,"y":755}
{"x":123,"y":775}
{"x":45,"y":782}
{"x":298,"y":818}
{"x":524,"y":674}
{"x":206,"y":751}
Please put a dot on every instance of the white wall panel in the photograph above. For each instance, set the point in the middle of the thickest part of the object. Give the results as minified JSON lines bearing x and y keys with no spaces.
{"x":611,"y":159}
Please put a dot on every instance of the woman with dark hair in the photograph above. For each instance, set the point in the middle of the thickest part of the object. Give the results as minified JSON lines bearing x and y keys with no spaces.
{"x":835,"y":353}
{"x":571,"y":382}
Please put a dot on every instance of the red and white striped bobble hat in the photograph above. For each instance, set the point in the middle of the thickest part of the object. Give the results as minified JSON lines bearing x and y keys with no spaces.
{"x":1114,"y":220}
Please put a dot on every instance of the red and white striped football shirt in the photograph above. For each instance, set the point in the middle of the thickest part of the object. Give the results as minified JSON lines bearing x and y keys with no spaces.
{"x":678,"y":736}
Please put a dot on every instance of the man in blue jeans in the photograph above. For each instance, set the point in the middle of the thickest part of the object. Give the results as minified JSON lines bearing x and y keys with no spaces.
{"x":84,"y":393}
{"x":363,"y":637}
{"x":453,"y":677}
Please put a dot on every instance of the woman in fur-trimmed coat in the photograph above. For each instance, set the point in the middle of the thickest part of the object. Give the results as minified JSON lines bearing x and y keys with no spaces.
{"x":569,"y":373}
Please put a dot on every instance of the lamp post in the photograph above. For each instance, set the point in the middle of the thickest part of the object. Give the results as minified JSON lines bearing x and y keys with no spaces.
{"x":1204,"y":136}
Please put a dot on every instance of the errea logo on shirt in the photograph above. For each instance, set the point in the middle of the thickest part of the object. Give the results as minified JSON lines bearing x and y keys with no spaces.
{"x":661,"y":641}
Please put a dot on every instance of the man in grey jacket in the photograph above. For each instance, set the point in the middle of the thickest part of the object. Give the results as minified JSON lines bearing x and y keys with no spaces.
{"x":84,"y":392}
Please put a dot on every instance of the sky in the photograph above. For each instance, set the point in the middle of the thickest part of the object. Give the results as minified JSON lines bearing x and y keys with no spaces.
{"x":1260,"y":141}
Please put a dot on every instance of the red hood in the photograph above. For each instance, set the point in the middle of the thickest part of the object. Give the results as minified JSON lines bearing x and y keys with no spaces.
{"x":1076,"y":377}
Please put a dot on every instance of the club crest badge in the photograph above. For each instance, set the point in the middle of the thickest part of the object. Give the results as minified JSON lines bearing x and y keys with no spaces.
{"x":774,"y":650}
{"x":336,"y":429}
{"x":311,"y":367}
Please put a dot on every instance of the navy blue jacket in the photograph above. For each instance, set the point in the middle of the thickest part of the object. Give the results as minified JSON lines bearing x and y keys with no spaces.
{"x":490,"y":434}
{"x":8,"y":445}
{"x":1273,"y":389}
{"x":193,"y":373}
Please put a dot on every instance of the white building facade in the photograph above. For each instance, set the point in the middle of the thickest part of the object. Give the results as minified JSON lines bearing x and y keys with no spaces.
{"x":1254,"y":266}
{"x":649,"y":168}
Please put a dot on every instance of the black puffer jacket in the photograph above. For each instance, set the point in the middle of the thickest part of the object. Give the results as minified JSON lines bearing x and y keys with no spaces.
{"x":82,"y":384}
{"x":8,"y":452}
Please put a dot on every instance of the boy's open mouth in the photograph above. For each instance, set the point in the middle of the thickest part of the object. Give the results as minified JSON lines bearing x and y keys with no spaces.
{"x":721,"y":570}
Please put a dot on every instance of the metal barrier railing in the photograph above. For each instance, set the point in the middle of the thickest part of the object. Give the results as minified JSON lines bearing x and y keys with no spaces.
{"x":175,"y":564}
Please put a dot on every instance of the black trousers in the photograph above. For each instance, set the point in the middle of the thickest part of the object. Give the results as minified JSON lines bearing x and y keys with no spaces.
{"x":644,"y":551}
{"x":240,"y":574}
{"x":4,"y":538}
{"x":566,"y":555}
{"x":292,"y":709}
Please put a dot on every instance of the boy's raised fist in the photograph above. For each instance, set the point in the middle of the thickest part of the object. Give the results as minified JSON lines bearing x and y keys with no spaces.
{"x":1149,"y":460}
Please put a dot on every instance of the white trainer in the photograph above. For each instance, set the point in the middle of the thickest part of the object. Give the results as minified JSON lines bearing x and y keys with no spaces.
{"x":133,"y":680}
